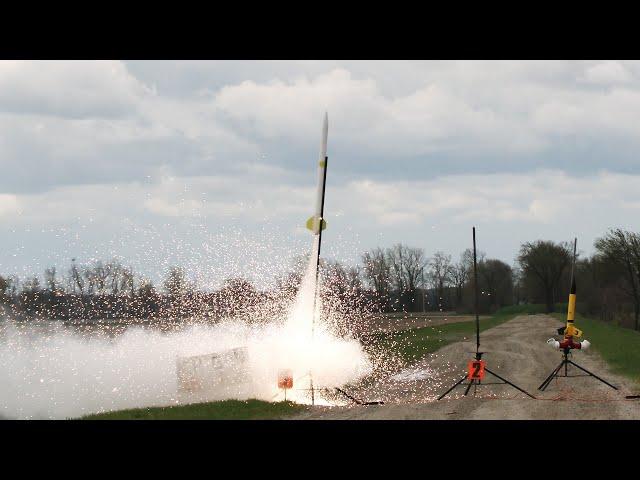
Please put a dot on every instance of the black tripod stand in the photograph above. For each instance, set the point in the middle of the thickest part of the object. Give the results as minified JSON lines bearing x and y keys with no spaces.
{"x":569,"y":331}
{"x":565,"y":363}
{"x":477,"y":367}
{"x":478,"y":381}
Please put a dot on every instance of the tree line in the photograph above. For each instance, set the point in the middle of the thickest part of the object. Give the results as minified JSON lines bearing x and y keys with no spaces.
{"x":402,"y":278}
{"x":395,"y":279}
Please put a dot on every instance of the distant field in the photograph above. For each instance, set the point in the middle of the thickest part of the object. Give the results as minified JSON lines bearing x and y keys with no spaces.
{"x":388,"y":322}
{"x":224,"y":410}
{"x":413,"y":344}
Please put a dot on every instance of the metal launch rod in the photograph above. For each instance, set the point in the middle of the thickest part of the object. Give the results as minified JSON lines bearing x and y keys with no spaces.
{"x":316,"y":286}
{"x":475,"y":281}
{"x":573,"y":262}
{"x":473,"y":376}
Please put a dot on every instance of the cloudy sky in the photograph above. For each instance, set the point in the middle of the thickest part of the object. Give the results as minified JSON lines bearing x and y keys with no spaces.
{"x":211,"y":165}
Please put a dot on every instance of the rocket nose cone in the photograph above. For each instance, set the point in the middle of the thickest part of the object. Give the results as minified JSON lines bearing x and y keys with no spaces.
{"x":325,"y":133}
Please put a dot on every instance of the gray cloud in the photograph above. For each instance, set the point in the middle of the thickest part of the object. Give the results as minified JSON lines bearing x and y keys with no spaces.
{"x":80,"y":122}
{"x":127,"y":158}
{"x":249,"y":220}
{"x":71,"y":89}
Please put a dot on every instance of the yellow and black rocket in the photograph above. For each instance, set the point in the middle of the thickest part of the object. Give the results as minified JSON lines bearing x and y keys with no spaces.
{"x":570,"y":331}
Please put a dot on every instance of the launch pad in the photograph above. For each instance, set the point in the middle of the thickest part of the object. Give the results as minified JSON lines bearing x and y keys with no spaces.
{"x":476,"y":374}
{"x":565,"y":363}
{"x":477,"y":368}
{"x":570,"y":332}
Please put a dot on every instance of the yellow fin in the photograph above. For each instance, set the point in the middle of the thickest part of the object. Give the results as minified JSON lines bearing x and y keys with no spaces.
{"x":573,"y":331}
{"x":312,"y":224}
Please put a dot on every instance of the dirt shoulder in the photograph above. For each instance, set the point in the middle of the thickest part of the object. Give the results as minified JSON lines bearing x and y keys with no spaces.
{"x":392,"y":323}
{"x":516,"y":350}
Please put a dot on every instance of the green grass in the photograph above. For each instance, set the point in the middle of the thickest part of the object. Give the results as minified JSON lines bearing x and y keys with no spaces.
{"x":413,"y":344}
{"x":223,"y":410}
{"x":618,"y":346}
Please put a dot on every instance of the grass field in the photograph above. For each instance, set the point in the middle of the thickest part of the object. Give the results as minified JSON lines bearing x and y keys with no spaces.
{"x":224,"y":410}
{"x":619,"y":347}
{"x":413,"y":344}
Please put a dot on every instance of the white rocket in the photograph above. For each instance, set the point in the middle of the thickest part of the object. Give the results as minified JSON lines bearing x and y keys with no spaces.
{"x":317,"y":223}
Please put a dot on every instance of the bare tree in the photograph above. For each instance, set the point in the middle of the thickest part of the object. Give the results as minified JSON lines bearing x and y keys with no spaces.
{"x":13,"y":285}
{"x":622,"y":248}
{"x":414,"y":263}
{"x":50,"y":279}
{"x":4,"y":286}
{"x":31,"y":285}
{"x":237,"y":295}
{"x":97,"y":276}
{"x":76,"y":281}
{"x":377,"y":274}
{"x":335,"y":287}
{"x":459,"y":274}
{"x":440,"y":274}
{"x":335,"y":275}
{"x":395,"y":259}
{"x":8,"y":288}
{"x":354,"y":280}
{"x":127,"y":281}
{"x":406,"y":264}
{"x":176,"y":282}
{"x":113,"y":271}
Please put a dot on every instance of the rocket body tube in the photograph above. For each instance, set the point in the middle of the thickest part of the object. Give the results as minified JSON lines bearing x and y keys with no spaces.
{"x":570,"y":330}
{"x":316,"y":223}
{"x":571,"y":308}
{"x":322,"y":166}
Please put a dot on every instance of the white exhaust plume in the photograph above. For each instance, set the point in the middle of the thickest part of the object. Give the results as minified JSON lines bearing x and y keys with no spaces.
{"x":51,"y":371}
